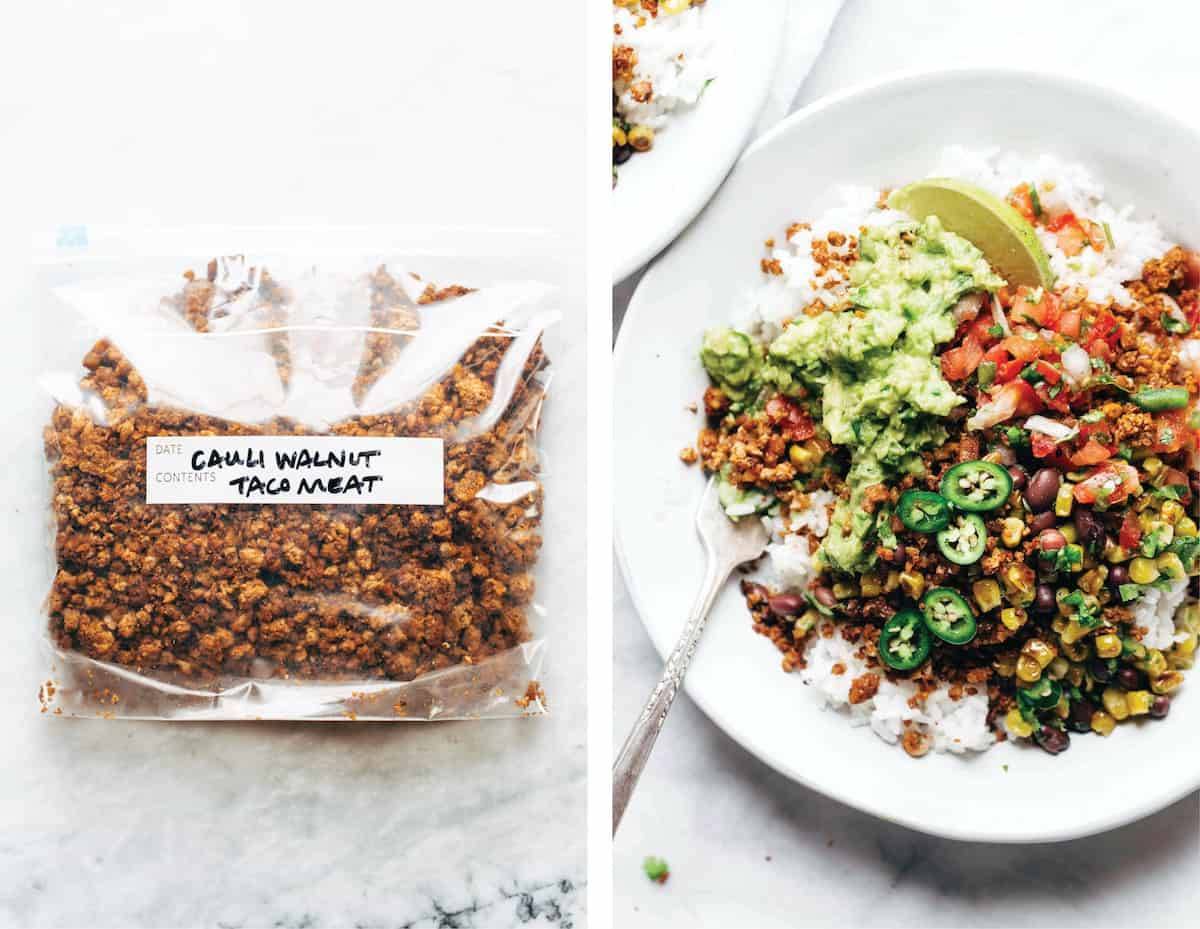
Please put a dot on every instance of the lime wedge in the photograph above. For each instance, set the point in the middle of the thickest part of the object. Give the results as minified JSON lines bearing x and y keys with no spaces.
{"x":1007,"y":241}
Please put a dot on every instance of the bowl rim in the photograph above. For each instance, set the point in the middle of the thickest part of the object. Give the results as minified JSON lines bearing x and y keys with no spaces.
{"x":915,"y":79}
{"x":729,"y":155}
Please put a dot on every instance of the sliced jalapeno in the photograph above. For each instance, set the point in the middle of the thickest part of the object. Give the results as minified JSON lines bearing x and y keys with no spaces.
{"x":977,"y":486}
{"x":905,"y":641}
{"x":965,"y":540}
{"x":1042,"y":695}
{"x":948,"y":616}
{"x":923,"y":510}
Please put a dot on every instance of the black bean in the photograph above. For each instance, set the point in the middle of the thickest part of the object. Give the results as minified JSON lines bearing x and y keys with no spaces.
{"x":1160,"y":707}
{"x":1080,"y":719}
{"x":1045,"y":601}
{"x":1042,"y":489}
{"x":1129,"y":679}
{"x":1019,"y":477}
{"x":622,"y":153}
{"x":786,"y":604}
{"x":1098,"y":668}
{"x":1090,"y":529}
{"x":1118,"y":574}
{"x":1055,"y":741}
{"x":1042,"y":522}
{"x":825,"y":597}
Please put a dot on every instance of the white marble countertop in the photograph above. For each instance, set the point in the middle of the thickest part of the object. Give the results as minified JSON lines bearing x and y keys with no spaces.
{"x":225,"y":112}
{"x":747,"y":846}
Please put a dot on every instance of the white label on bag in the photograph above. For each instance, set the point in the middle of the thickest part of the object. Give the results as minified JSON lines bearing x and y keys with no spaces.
{"x":294,"y":469}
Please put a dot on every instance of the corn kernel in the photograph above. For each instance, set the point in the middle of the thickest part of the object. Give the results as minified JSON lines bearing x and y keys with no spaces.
{"x":1011,"y":531}
{"x":1064,"y":501}
{"x":1058,"y":669}
{"x":1076,"y":651}
{"x":844,"y":590}
{"x":1015,"y":723}
{"x":1021,"y":584}
{"x":1152,"y":465}
{"x":870,"y":585}
{"x":1139,"y":702}
{"x":1154,"y":664}
{"x":1062,"y":709}
{"x":1186,"y":528}
{"x":1040,"y":651}
{"x":892,"y":582}
{"x":1108,"y":645}
{"x":1114,"y":702}
{"x":641,"y":138}
{"x":1173,"y":511}
{"x":912,"y":584}
{"x":1070,"y":533}
{"x":1143,"y":571}
{"x":1028,"y":669}
{"x":1170,"y":566}
{"x":805,"y":623}
{"x":1102,"y":723}
{"x":1013,"y":618}
{"x":1073,"y":633}
{"x":618,"y":135}
{"x":802,"y":458}
{"x":987,"y":594}
{"x":1166,"y":682}
{"x":1115,"y":554}
{"x":1092,"y":581}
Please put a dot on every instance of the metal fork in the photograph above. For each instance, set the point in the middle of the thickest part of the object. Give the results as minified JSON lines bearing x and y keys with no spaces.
{"x":727,"y":544}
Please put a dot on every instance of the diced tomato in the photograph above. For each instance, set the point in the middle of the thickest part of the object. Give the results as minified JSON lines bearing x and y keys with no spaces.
{"x":1091,"y":453}
{"x":1043,"y":314}
{"x":1105,"y":327}
{"x":1095,"y":234}
{"x":1061,"y":221}
{"x":1170,"y":431}
{"x":1071,"y":240}
{"x":960,"y":362}
{"x":1021,"y":200}
{"x":1069,"y":323}
{"x":1024,"y":349}
{"x":978,"y":329}
{"x":1049,"y":373}
{"x":1009,"y":370}
{"x":1102,"y":350}
{"x":1042,"y":445}
{"x":1059,"y":400}
{"x":1131,"y":533}
{"x":796,"y":425}
{"x":1108,"y":483}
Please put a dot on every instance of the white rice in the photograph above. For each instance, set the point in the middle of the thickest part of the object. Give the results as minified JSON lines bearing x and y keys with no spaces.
{"x":672,"y":54}
{"x":954,"y":725}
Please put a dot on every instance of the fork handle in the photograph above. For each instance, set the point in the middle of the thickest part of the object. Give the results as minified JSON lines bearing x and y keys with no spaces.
{"x":640,"y":742}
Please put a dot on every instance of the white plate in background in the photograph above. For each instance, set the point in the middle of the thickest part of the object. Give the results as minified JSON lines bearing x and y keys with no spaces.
{"x":660,"y":191}
{"x":884,"y":134}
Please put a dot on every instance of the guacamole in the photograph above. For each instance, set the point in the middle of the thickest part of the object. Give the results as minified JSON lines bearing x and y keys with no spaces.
{"x":733,"y":361}
{"x":882,"y":391}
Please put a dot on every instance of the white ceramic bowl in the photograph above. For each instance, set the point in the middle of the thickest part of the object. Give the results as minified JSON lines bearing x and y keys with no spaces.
{"x":883,"y":134}
{"x":660,"y":191}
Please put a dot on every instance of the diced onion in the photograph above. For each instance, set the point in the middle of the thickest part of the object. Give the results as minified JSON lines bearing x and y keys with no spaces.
{"x":998,"y":315}
{"x":1059,"y":432}
{"x":968,"y":307}
{"x":1076,"y":364}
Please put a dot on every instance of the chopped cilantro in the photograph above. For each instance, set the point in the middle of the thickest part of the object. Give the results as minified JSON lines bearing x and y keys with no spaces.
{"x":656,"y":869}
{"x":1016,"y":436}
{"x":1129,"y":592}
{"x":995,"y":331}
{"x":1031,"y":374}
{"x":1055,"y":390}
{"x":1124,"y":451}
{"x":1035,"y":200}
{"x":1091,"y":416}
{"x":1152,"y":543}
{"x":1087,"y":614}
{"x":1170,"y":492}
{"x":1108,"y":235}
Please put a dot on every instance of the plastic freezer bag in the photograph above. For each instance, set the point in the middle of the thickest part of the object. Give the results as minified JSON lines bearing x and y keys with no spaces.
{"x":291,"y":487}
